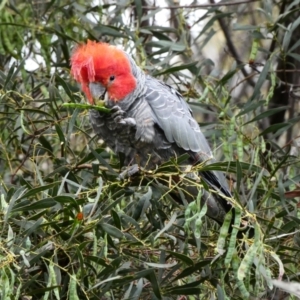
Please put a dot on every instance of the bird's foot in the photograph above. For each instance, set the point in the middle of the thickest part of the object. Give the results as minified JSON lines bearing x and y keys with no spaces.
{"x":129,"y":171}
{"x":118,"y":115}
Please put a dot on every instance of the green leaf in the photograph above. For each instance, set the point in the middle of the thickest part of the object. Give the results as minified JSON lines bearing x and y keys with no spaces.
{"x":13,"y":73}
{"x":41,"y":204}
{"x":178,"y":47}
{"x":154,"y":284}
{"x":111,"y":230}
{"x":276,"y":127}
{"x":65,"y":85}
{"x":288,"y":34}
{"x":267,"y":113}
{"x":185,"y":259}
{"x":60,"y":133}
{"x":185,"y":291}
{"x":231,"y":167}
{"x":116,"y":218}
{"x":97,"y":260}
{"x":211,"y":21}
{"x":261,"y":80}
{"x":237,"y":26}
{"x":295,"y":56}
{"x":103,"y":161}
{"x":239,"y":175}
{"x":139,"y":9}
{"x":190,"y":270}
{"x":46,"y":145}
{"x":108,"y":31}
{"x":37,"y":190}
{"x":87,"y":106}
{"x":189,"y":66}
{"x":250,"y":106}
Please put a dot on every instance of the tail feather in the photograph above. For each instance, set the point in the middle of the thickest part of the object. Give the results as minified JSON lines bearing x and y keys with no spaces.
{"x":213,"y":180}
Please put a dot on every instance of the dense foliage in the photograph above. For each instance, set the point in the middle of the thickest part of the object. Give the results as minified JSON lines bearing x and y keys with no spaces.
{"x":70,"y":229}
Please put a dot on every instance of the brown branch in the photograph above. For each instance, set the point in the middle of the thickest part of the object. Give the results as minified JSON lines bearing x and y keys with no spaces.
{"x":287,"y":71}
{"x":83,"y":166}
{"x":288,"y":84}
{"x":232,"y":48}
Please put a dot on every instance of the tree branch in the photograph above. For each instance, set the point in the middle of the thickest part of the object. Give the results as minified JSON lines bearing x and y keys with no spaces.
{"x":232,"y":48}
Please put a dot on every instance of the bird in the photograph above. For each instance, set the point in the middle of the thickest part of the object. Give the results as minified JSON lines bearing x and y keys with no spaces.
{"x":150,"y":122}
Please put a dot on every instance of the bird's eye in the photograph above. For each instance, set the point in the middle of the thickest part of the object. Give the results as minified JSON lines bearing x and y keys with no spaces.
{"x":112,"y":78}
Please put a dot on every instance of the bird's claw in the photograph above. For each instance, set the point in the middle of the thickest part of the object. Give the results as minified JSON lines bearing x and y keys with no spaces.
{"x":128,"y":121}
{"x":117,"y":111}
{"x":118,"y":116}
{"x":129,"y":171}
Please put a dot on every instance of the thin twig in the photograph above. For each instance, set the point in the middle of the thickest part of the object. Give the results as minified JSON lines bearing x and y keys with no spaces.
{"x":243,"y":80}
{"x":287,"y":71}
{"x":280,"y":81}
{"x":282,"y":235}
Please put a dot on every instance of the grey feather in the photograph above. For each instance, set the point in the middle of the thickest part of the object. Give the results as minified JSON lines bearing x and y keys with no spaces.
{"x":163,"y":127}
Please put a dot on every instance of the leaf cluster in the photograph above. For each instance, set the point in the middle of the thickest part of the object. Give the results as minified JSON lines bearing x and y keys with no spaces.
{"x":71,"y":229}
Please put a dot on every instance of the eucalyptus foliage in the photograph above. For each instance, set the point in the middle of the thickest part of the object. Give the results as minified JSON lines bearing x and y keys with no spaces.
{"x":71,"y":229}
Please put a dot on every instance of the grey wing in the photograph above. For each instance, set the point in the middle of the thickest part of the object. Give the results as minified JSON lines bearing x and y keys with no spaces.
{"x":174,"y":117}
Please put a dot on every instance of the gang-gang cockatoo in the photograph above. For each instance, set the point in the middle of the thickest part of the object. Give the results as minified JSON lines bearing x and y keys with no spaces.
{"x":150,"y":121}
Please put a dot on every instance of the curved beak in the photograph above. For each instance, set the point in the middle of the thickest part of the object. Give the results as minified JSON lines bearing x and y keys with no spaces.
{"x":98,"y":91}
